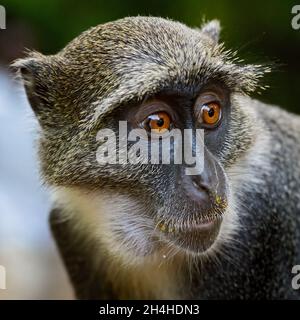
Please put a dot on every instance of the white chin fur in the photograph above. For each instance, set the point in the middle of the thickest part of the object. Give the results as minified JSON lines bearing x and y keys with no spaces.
{"x":120,"y":225}
{"x":115,"y":220}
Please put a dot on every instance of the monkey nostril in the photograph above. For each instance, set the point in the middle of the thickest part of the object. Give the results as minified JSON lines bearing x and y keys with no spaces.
{"x":200,"y":186}
{"x":195,"y":185}
{"x":197,"y":188}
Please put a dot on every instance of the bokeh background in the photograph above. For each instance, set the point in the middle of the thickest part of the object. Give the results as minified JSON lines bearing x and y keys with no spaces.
{"x":260,"y":31}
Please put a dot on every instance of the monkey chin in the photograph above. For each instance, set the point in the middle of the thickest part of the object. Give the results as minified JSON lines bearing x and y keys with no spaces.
{"x":135,"y":238}
{"x":194,"y":239}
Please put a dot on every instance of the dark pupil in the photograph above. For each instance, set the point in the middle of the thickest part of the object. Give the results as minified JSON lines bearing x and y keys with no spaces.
{"x":211,"y":112}
{"x":160,"y":122}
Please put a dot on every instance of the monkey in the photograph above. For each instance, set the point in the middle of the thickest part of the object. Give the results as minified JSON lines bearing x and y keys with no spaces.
{"x":152,"y":231}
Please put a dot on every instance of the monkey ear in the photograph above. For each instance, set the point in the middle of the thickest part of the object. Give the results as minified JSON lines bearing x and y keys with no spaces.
{"x":33,"y":73}
{"x":212,"y":29}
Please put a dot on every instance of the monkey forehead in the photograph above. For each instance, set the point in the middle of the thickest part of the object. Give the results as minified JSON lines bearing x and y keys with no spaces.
{"x":137,"y":56}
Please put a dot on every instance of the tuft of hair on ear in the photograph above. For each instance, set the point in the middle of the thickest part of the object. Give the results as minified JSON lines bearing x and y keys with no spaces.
{"x":27,"y":66}
{"x":31,"y":71}
{"x":211,"y":29}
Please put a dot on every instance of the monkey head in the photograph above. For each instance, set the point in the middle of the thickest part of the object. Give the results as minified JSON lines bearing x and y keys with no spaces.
{"x":155,"y":75}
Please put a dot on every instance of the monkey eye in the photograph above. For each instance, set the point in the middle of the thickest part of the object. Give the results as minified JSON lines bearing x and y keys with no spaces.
{"x":159,"y":122}
{"x":210,"y":113}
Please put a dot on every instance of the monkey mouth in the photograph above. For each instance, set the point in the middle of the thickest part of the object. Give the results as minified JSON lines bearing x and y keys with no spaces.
{"x":195,"y":236}
{"x":197,"y":232}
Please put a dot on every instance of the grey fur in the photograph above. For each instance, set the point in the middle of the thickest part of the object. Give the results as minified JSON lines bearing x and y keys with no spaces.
{"x":80,"y":90}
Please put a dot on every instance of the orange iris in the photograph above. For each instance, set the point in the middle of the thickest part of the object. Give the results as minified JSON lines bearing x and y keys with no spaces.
{"x":211,"y":113}
{"x":159,"y":122}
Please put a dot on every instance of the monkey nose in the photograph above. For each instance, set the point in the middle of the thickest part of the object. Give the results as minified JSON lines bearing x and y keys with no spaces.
{"x":208,"y":189}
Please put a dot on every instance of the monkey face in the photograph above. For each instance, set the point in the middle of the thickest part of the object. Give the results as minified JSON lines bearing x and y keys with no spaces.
{"x":187,"y":207}
{"x":142,"y":209}
{"x":153,"y":74}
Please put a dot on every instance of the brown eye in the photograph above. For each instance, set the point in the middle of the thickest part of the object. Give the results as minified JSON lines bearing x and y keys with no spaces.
{"x":211,"y":113}
{"x":159,"y":122}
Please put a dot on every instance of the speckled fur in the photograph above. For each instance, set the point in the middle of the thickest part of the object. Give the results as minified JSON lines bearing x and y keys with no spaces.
{"x":77,"y":91}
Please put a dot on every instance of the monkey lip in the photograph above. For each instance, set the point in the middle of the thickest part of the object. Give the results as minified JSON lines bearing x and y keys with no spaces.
{"x":196,"y":237}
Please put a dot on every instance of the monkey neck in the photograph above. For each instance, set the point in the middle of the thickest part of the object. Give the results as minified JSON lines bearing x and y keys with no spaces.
{"x":149,"y":280}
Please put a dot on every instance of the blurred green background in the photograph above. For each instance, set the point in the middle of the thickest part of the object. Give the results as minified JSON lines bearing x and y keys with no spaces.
{"x":260,"y":30}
